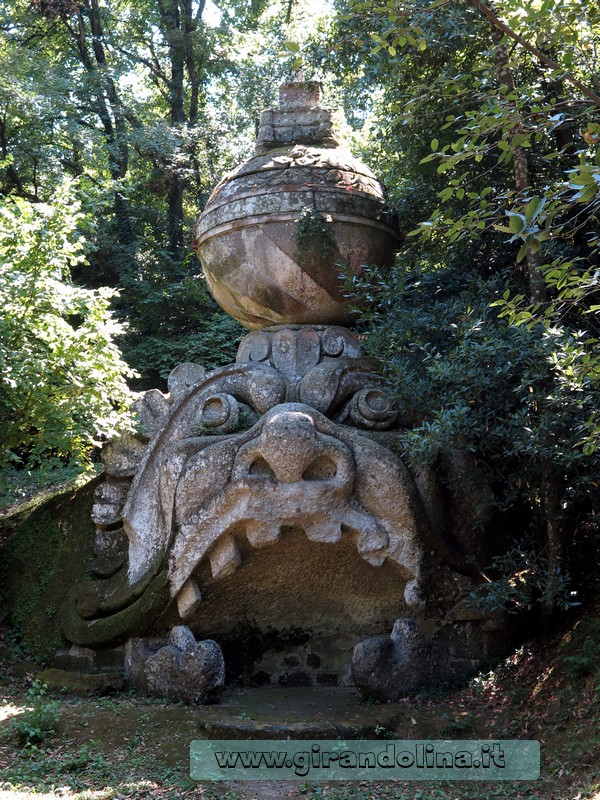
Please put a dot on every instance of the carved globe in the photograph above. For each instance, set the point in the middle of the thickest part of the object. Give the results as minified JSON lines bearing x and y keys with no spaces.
{"x":278,"y":231}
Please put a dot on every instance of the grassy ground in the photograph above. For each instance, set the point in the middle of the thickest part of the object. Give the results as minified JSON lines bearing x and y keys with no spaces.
{"x":129,"y":746}
{"x":20,"y":487}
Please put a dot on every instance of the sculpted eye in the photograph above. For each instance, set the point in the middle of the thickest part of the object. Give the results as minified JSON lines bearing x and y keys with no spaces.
{"x":371,"y":409}
{"x":219,"y":412}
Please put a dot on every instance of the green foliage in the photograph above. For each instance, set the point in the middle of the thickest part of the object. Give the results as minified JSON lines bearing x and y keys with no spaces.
{"x":467,"y":378}
{"x":481,"y":119}
{"x":315,"y":242}
{"x":28,"y":488}
{"x":35,"y":725}
{"x":464,"y":378}
{"x":583,"y":659}
{"x":34,"y":554}
{"x":490,"y":146}
{"x":147,"y":111}
{"x":177,"y":321}
{"x":62,"y":378}
{"x":525,"y":578}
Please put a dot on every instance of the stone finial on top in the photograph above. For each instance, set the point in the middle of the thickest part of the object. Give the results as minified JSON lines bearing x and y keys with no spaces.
{"x":299,"y":119}
{"x":299,"y":95}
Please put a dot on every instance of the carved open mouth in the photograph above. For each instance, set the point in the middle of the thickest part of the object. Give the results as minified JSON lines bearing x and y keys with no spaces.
{"x":291,"y":475}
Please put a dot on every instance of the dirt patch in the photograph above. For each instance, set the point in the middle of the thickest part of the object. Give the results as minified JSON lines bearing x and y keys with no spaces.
{"x":129,"y":746}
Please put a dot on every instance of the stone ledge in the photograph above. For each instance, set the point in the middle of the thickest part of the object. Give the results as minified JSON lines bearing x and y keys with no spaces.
{"x":82,"y":683}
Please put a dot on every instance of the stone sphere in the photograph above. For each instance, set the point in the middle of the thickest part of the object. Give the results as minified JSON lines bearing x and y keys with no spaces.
{"x":278,"y":231}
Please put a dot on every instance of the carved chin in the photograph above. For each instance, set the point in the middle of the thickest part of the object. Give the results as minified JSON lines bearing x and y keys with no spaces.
{"x":292,"y":474}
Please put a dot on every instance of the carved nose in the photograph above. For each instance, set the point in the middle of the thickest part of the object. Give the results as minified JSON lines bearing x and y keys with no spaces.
{"x":289,"y":446}
{"x":290,"y":450}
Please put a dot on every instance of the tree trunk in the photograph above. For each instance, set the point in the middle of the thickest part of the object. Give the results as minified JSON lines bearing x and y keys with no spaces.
{"x":537,"y":286}
{"x":551,"y":494}
{"x":179,"y":25}
{"x":171,"y":21}
{"x":108,"y":107}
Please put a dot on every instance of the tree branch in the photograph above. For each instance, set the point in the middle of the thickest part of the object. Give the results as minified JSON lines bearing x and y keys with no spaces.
{"x":567,"y":76}
{"x":154,"y":68}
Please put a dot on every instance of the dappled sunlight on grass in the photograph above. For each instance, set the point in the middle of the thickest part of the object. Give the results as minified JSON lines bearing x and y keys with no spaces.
{"x":8,"y":711}
{"x":132,"y":748}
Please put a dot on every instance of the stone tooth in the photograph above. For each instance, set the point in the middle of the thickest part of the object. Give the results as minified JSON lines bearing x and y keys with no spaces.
{"x":188,"y":599}
{"x":375,"y":559}
{"x":224,"y":557}
{"x":182,"y":638}
{"x":324,"y":529}
{"x":261,"y":534}
{"x":371,"y":540}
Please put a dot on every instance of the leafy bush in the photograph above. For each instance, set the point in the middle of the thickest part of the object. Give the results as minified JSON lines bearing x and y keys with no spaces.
{"x":173,"y":320}
{"x":511,"y":395}
{"x":524,"y":579}
{"x":62,"y":379}
{"x":464,"y":377}
{"x":34,"y":726}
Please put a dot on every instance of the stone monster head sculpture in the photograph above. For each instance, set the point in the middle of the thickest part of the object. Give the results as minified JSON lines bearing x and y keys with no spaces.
{"x":297,"y":438}
{"x":269,"y":443}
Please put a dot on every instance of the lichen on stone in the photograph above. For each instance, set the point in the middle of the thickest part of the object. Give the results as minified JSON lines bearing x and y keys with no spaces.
{"x":315,"y":241}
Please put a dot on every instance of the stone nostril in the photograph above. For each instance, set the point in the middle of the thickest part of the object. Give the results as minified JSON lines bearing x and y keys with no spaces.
{"x":321,"y":469}
{"x":259,"y":468}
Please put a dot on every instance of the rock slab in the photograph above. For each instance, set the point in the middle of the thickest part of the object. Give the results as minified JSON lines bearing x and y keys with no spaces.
{"x":386,"y":668}
{"x":83,"y":683}
{"x":186,"y":669}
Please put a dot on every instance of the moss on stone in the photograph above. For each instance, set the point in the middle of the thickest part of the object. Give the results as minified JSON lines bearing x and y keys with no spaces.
{"x":50,"y":550}
{"x":137,"y":617}
{"x":82,"y":683}
{"x":315,"y":242}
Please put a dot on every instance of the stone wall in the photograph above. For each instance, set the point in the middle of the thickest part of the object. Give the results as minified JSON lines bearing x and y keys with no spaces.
{"x":48,"y":553}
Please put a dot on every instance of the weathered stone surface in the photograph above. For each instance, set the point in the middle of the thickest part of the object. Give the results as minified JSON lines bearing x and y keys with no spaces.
{"x":109,"y":499}
{"x":322,"y":366}
{"x":299,"y":118}
{"x":183,"y":379}
{"x":182,"y":638}
{"x":309,"y":451}
{"x":301,"y":713}
{"x":151,"y":411}
{"x":188,"y":599}
{"x":85,"y":683}
{"x":136,"y":652}
{"x":264,"y":455}
{"x":219,"y":414}
{"x":195,"y":674}
{"x":122,"y":456}
{"x":224,"y":557}
{"x":295,"y":468}
{"x":48,"y":553}
{"x":387,"y":668}
{"x":244,"y":477}
{"x":76,"y":659}
{"x":371,"y":408}
{"x":110,"y":551}
{"x":275,"y":230}
{"x":283,"y":467}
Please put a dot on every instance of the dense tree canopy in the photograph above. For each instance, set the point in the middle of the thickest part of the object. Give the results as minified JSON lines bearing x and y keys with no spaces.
{"x":62,"y":381}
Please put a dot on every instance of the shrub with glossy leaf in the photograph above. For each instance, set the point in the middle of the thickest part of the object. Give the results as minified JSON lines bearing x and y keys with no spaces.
{"x":466,"y":378}
{"x":62,"y":379}
{"x":514,"y":396}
